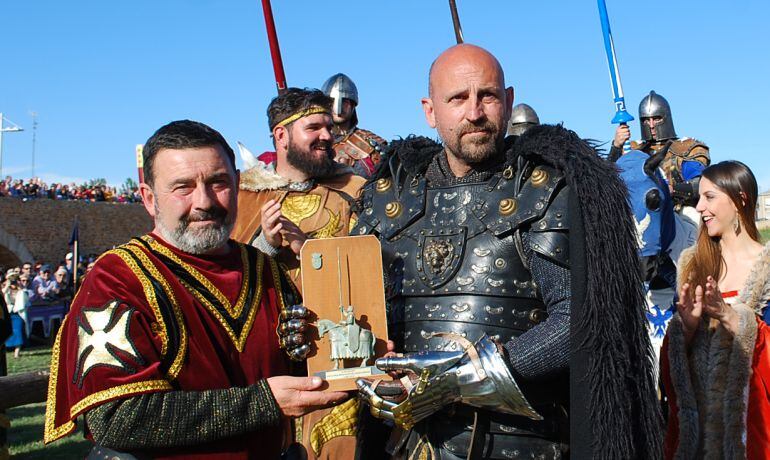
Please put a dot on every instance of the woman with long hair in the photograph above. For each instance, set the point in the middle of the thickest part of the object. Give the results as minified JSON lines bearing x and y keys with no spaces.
{"x":715,"y":360}
{"x":17,"y":300}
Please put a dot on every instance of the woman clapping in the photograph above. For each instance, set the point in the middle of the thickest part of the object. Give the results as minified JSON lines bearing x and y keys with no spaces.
{"x":715,"y":361}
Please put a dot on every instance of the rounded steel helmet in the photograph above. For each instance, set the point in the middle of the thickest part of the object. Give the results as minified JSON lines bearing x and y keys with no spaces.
{"x":655,"y":105}
{"x":523,"y":117}
{"x":339,"y":87}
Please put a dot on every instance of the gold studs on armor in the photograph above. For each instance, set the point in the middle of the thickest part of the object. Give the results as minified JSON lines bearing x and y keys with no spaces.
{"x":393,"y":209}
{"x":383,"y":185}
{"x":508,"y":206}
{"x":539,"y":177}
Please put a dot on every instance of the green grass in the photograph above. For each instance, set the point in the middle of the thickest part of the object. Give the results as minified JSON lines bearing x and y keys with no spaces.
{"x":31,"y":359}
{"x":26,"y":434}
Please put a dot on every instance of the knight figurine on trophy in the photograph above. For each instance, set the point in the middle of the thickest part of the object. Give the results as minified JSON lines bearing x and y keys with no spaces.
{"x":348,"y":340}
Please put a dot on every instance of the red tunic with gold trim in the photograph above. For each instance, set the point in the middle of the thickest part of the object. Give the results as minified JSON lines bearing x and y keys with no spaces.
{"x":150,"y":318}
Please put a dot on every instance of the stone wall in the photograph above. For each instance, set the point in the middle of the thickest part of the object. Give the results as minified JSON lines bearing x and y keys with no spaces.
{"x":40,"y":229}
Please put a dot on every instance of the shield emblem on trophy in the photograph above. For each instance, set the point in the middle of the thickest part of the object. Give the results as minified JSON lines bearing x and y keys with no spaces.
{"x":354,"y":338}
{"x":342,"y":283}
{"x":440,"y":252}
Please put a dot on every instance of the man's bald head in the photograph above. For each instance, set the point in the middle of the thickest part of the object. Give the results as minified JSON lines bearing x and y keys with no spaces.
{"x":467,"y":54}
{"x":468,"y":105}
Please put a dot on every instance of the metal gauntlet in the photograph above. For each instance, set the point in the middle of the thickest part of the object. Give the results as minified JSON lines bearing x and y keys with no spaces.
{"x":477,"y":376}
{"x":685,"y":193}
{"x":291,"y":328}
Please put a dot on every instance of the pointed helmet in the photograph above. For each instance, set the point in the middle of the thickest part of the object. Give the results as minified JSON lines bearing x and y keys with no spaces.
{"x":339,"y":87}
{"x":655,"y":105}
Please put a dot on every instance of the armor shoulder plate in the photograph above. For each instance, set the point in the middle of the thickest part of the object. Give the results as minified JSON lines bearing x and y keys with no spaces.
{"x":548,"y":236}
{"x":519,"y":199}
{"x":361,"y":144}
{"x":387,"y":207}
{"x":689,"y":148}
{"x":371,"y":137}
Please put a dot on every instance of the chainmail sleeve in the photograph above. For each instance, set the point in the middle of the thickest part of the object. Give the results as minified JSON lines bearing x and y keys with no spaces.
{"x":182,"y":418}
{"x":544,"y":349}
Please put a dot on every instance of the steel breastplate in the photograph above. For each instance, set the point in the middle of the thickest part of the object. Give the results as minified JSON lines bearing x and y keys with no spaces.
{"x":451,"y":273}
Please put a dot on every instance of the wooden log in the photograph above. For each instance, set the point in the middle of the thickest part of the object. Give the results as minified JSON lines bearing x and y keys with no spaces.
{"x":20,"y":389}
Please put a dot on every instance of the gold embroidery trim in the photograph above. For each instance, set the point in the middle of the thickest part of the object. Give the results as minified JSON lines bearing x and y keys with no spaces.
{"x":341,"y":421}
{"x":233,"y":311}
{"x":149,"y":294}
{"x":423,"y":450}
{"x":117,"y":392}
{"x":139,"y":252}
{"x":276,"y":270}
{"x":330,"y":229}
{"x":238,"y":341}
{"x":297,"y":208}
{"x":52,"y":432}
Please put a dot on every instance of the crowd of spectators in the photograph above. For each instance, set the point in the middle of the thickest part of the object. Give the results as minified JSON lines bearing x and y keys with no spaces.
{"x":47,"y":282}
{"x":42,"y":282}
{"x":96,"y":190}
{"x":38,"y":284}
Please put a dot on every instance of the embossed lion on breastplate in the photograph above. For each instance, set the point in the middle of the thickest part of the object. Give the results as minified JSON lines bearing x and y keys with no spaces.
{"x":437,"y":255}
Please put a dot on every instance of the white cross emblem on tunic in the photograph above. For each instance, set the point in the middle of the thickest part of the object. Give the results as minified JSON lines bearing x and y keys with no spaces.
{"x":100,"y":333}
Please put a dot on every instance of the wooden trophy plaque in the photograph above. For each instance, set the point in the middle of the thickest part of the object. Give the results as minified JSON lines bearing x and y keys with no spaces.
{"x":344,"y":293}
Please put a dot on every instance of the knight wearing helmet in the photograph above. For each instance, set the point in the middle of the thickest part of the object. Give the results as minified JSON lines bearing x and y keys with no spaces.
{"x":353,"y":146}
{"x":523,"y":117}
{"x":683,"y":158}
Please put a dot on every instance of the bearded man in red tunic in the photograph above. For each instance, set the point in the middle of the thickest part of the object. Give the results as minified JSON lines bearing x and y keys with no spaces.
{"x":176,"y":344}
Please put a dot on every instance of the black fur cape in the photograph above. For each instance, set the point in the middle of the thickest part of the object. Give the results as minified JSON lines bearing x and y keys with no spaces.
{"x":614,"y":408}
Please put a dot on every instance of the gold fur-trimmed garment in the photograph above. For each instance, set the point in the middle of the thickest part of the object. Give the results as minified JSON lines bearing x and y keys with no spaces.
{"x":321,"y":211}
{"x":719,"y":405}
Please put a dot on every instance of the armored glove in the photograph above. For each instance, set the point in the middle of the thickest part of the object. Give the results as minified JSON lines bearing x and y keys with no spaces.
{"x":685,"y":192}
{"x":291,"y":328}
{"x":477,"y":376}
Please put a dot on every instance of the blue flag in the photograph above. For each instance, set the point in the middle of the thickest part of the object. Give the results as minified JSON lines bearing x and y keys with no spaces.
{"x":75,"y":233}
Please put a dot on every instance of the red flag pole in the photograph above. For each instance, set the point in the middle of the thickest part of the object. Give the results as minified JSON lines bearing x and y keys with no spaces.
{"x":275,"y":50}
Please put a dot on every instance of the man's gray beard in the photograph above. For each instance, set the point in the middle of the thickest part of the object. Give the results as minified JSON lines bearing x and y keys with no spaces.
{"x":201,"y":241}
{"x":476,"y":155}
{"x":478,"y":152}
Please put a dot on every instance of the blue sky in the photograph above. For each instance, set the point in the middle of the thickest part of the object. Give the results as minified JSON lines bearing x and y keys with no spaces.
{"x":103,"y":75}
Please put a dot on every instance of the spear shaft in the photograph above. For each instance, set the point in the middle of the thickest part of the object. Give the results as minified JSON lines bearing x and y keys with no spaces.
{"x":456,"y":21}
{"x":275,"y":49}
{"x":621,"y":117}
